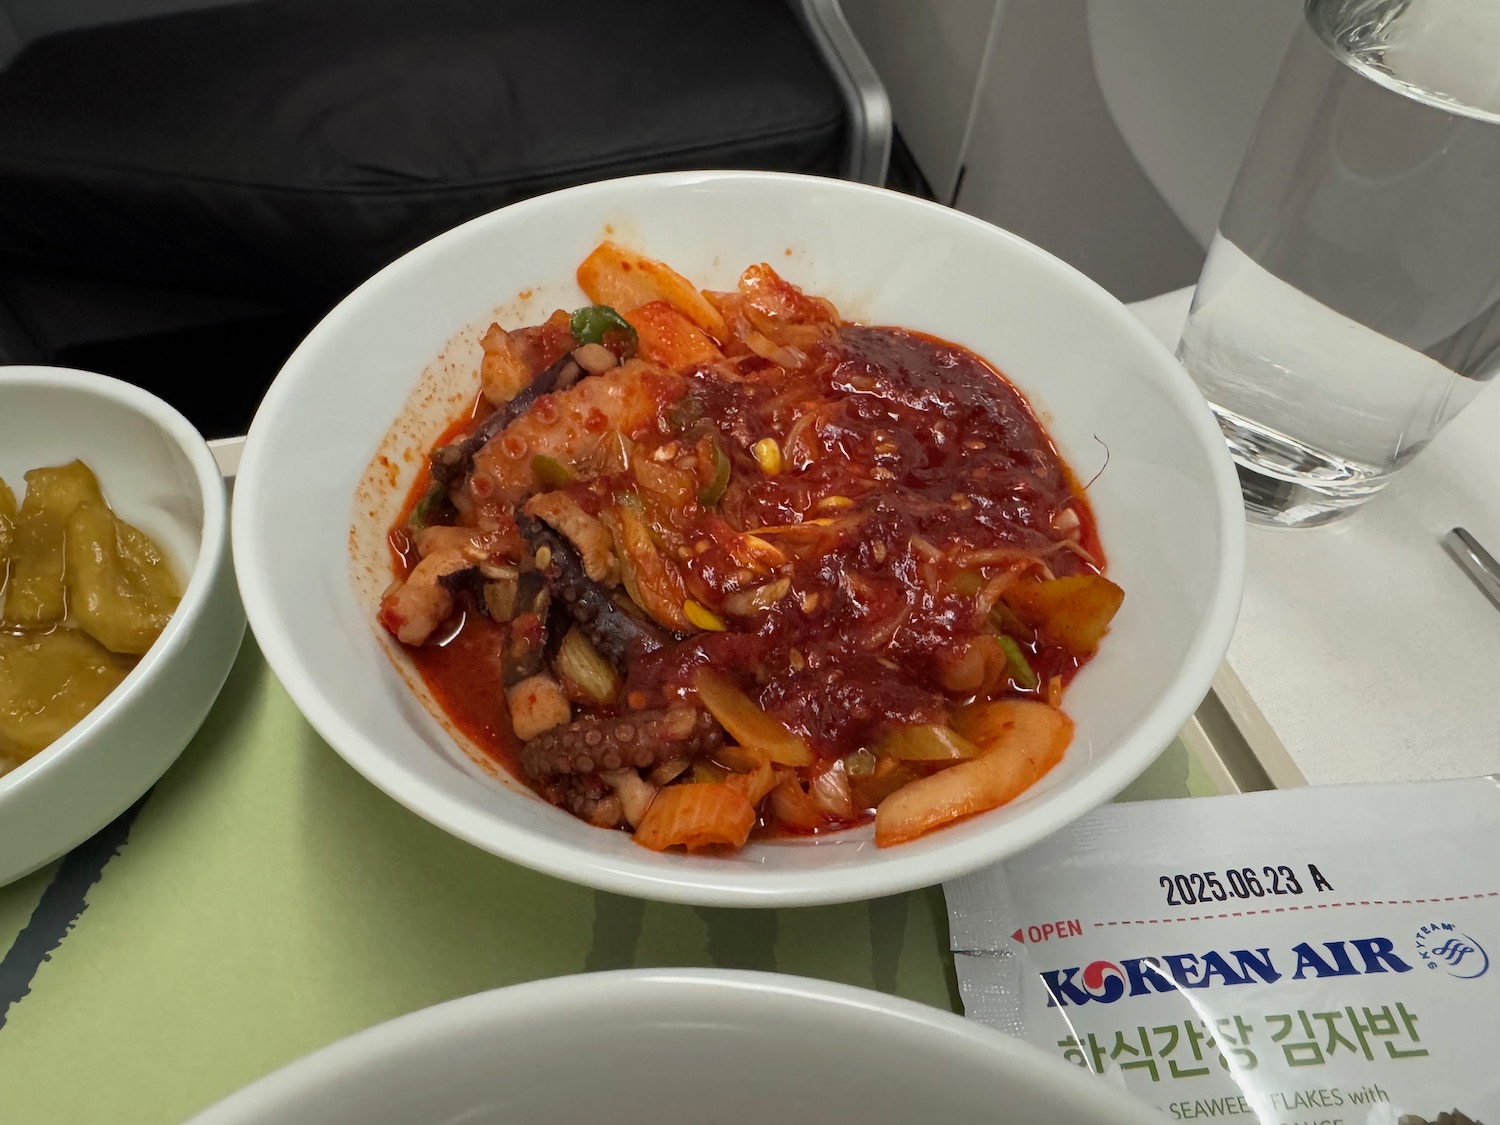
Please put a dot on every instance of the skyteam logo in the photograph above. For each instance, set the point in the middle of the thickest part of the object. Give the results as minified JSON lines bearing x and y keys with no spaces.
{"x":1443,"y":946}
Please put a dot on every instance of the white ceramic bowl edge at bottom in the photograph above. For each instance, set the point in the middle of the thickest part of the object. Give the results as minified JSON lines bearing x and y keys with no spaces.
{"x":680,"y":1047}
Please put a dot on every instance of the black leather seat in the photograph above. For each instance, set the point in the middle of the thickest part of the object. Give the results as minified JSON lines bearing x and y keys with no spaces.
{"x":266,"y":157}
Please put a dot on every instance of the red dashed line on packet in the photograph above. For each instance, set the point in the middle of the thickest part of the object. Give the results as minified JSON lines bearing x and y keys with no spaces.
{"x":1308,"y":906}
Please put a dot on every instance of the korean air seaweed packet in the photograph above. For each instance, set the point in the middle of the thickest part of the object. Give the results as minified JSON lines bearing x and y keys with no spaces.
{"x":1318,"y":956}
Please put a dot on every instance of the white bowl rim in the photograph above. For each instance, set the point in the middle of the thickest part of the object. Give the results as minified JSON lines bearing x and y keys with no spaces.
{"x":388,"y":1041}
{"x":212,"y":546}
{"x":895,"y":872}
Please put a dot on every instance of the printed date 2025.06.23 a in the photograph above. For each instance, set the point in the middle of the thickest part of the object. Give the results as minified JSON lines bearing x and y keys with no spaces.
{"x":1255,"y":881}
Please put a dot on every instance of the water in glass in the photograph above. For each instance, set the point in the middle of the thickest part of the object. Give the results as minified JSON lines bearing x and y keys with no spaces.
{"x":1350,"y":304}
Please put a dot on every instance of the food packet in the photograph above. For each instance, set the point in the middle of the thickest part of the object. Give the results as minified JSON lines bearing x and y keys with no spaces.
{"x":1318,"y":956}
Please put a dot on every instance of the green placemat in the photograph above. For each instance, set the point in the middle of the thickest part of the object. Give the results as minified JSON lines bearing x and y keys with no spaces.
{"x":269,"y":901}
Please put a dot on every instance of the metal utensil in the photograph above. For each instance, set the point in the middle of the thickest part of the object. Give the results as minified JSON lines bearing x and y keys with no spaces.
{"x":1480,"y":564}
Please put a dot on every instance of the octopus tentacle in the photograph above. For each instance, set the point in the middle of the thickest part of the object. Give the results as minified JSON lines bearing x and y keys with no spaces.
{"x":639,"y":739}
{"x":586,"y":796}
{"x":452,"y":463}
{"x":617,"y":634}
{"x":533,"y":630}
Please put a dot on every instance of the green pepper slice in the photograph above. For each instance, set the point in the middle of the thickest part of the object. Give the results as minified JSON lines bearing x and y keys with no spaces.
{"x":590,"y":323}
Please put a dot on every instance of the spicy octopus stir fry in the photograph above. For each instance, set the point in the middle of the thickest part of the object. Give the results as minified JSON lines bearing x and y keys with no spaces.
{"x":701,"y":565}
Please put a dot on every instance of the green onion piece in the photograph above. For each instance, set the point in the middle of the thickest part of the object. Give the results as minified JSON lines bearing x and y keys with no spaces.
{"x":428,"y":507}
{"x":550,"y":473}
{"x":628,"y":499}
{"x":1016,"y":663}
{"x":924,"y":742}
{"x":591,"y":322}
{"x":1003,"y":619}
{"x":579,"y":663}
{"x":713,"y":491}
{"x":708,"y":772}
{"x":684,"y":412}
{"x":967,"y":583}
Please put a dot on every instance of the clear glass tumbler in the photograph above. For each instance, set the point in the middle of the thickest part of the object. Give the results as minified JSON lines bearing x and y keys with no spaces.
{"x":1350,"y":304}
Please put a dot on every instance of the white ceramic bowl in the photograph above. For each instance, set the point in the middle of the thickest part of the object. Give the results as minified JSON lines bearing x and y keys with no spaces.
{"x":663,"y":1047}
{"x":157,"y":473}
{"x":1167,"y":503}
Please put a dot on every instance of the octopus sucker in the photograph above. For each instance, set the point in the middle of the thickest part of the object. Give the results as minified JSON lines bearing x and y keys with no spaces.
{"x":452,"y":463}
{"x":639,"y":740}
{"x":614,"y":632}
{"x":586,"y":796}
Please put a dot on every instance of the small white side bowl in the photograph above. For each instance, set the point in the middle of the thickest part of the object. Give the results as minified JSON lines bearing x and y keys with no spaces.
{"x":661,"y":1047}
{"x":157,"y":473}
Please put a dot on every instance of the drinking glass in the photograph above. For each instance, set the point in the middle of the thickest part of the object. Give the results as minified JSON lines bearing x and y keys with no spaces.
{"x":1350,"y":303}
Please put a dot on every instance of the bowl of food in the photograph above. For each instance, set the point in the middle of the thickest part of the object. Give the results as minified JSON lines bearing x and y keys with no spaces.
{"x":119,"y":616}
{"x":734,"y":1048}
{"x":739,"y":538}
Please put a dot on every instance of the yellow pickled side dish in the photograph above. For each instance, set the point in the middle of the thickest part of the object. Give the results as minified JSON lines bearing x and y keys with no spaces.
{"x":7,"y":530}
{"x":48,"y":682}
{"x":120,"y":589}
{"x":7,"y":534}
{"x":82,"y":595}
{"x":36,"y":593}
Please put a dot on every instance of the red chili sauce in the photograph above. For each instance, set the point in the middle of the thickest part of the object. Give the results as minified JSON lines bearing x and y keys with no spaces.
{"x":915,"y":455}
